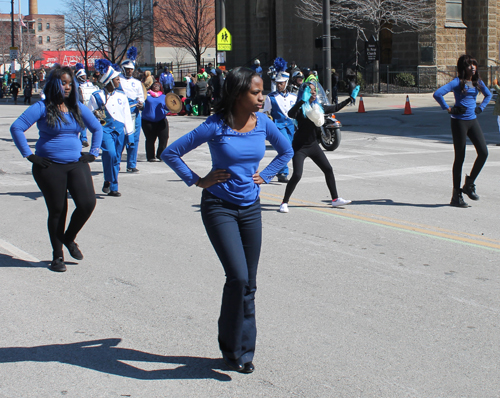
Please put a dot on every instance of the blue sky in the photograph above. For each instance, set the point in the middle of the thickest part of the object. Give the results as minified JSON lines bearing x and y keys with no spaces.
{"x":44,"y":6}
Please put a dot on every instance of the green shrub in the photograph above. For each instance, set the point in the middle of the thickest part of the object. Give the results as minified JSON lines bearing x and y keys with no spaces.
{"x":361,"y":81}
{"x":405,"y":79}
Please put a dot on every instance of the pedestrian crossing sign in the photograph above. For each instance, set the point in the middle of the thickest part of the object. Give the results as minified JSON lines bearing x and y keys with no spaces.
{"x":224,"y":40}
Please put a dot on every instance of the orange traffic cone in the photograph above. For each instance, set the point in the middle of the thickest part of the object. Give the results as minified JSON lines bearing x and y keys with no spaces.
{"x":407,"y":107}
{"x":361,"y":107}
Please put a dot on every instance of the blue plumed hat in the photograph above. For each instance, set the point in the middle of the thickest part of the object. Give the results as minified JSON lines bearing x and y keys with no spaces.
{"x":280,"y":68}
{"x":107,"y":70}
{"x":80,"y":70}
{"x":131,"y":56}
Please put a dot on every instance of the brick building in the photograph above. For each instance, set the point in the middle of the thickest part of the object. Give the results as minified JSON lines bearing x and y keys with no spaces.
{"x":267,"y":29}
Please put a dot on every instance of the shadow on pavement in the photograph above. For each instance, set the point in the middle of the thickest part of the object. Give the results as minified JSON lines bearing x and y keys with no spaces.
{"x":29,"y":195}
{"x":104,"y":356}
{"x":390,"y":202}
{"x":9,"y":261}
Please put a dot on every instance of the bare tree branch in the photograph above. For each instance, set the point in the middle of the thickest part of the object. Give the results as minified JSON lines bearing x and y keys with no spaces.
{"x":119,"y":25}
{"x":78,"y":32}
{"x":373,"y":16}
{"x":188,"y":24}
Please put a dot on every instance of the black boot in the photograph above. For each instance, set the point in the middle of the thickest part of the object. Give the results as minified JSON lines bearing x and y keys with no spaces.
{"x":457,"y":199}
{"x":470,"y":188}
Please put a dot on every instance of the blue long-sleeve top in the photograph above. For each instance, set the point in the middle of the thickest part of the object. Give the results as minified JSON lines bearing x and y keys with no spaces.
{"x":237,"y":153}
{"x":466,"y":97}
{"x":154,"y":108}
{"x":60,"y":144}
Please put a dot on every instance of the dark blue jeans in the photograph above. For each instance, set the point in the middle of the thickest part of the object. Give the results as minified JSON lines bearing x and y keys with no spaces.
{"x":236,"y":235}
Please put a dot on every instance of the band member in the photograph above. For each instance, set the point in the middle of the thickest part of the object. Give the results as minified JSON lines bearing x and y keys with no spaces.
{"x":133,"y":90}
{"x":277,"y":104}
{"x":295,"y":82}
{"x":85,"y":90}
{"x":112,"y":109}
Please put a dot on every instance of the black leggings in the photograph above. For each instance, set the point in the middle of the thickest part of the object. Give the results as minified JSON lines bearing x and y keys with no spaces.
{"x":317,"y":156}
{"x":153,"y":131}
{"x":54,"y":182}
{"x":460,"y":130}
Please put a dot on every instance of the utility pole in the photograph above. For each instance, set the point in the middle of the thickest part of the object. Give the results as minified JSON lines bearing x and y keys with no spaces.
{"x":12,"y":21}
{"x":327,"y":51}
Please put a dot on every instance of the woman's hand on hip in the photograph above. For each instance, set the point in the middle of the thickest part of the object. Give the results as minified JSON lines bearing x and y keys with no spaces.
{"x":214,"y":177}
{"x":257,"y":178}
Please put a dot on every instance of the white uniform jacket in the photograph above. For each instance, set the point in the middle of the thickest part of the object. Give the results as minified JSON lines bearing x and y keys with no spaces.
{"x":132,"y":88}
{"x":117,"y":106}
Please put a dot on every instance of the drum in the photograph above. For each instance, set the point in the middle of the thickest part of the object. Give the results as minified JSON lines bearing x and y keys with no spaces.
{"x":173,"y":103}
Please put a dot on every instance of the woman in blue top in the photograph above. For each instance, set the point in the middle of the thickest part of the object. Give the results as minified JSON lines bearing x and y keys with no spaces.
{"x":236,"y":135}
{"x":58,"y":164}
{"x":155,"y":123}
{"x":464,"y":124}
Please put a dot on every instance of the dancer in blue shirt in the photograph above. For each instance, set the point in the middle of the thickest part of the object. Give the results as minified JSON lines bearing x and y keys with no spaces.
{"x":58,"y":164}
{"x":155,"y":123}
{"x":464,"y":124}
{"x":236,"y":135}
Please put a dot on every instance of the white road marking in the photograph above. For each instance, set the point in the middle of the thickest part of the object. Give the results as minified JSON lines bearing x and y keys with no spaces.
{"x":18,"y":253}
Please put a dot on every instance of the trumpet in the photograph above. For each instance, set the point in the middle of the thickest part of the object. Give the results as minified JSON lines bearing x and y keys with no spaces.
{"x":100,"y":114}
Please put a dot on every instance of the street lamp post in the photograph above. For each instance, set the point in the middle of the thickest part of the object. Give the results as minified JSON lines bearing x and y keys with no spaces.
{"x":327,"y":51}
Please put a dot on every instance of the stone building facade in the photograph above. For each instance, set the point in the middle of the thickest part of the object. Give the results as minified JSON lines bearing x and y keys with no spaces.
{"x":266,"y":29}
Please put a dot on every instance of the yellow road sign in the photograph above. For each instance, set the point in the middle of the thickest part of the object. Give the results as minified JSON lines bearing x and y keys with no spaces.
{"x":224,"y":40}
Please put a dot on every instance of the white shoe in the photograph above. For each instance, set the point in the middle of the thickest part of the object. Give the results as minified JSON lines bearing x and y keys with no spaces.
{"x":340,"y":202}
{"x":284,"y":208}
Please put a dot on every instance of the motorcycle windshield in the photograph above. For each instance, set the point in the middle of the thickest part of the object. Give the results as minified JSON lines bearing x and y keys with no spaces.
{"x":321,"y":96}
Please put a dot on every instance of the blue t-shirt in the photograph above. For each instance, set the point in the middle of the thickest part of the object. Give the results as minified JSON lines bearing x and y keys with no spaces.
{"x":60,"y":144}
{"x":154,"y":108}
{"x":237,"y":153}
{"x":466,"y":97}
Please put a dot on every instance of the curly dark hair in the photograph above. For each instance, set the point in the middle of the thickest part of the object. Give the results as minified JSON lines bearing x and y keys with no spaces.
{"x":464,"y":62}
{"x":54,"y":96}
{"x":238,"y":81}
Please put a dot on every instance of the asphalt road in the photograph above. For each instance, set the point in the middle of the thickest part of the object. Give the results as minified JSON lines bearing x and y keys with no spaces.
{"x":396,"y":295}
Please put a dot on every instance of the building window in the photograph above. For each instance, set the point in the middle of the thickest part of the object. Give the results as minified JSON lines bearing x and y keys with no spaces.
{"x":48,"y":26}
{"x":454,"y":10}
{"x":40,"y":26}
{"x":40,"y":40}
{"x":48,"y":39}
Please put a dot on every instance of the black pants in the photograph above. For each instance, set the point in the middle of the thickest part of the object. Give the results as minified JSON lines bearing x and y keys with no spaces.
{"x":460,"y":130}
{"x":314,"y":152}
{"x":152,"y":132}
{"x":27,"y":99}
{"x":236,"y":235}
{"x":202,"y":102}
{"x":54,"y":182}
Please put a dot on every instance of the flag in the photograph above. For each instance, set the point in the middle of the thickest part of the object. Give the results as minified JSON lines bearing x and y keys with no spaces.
{"x":22,"y":22}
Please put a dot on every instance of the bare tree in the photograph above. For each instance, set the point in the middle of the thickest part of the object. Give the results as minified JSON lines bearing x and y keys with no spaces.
{"x":373,"y":16}
{"x":78,"y":32}
{"x":119,"y":25}
{"x":28,"y":53}
{"x":189,"y":24}
{"x":5,"y":42}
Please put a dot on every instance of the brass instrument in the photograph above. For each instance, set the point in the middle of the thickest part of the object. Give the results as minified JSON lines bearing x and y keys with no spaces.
{"x":100,"y":114}
{"x":173,"y":103}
